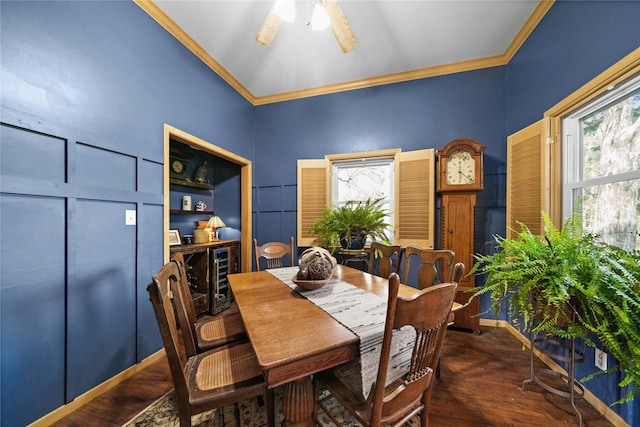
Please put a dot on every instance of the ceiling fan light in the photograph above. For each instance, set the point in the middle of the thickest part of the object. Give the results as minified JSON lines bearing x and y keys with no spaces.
{"x":320,"y":18}
{"x":286,"y":9}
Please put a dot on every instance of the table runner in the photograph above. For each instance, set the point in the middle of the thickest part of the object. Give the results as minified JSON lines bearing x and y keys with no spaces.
{"x":364,"y":313}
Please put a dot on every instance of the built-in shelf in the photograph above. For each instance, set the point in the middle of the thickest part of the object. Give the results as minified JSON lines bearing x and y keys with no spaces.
{"x":191,"y":184}
{"x":182,"y":212}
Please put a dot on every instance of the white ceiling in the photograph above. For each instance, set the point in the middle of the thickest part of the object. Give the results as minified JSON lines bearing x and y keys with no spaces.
{"x":393,"y":36}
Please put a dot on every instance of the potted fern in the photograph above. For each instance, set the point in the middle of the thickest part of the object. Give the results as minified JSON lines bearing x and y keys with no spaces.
{"x":569,"y":283}
{"x":350,"y":225}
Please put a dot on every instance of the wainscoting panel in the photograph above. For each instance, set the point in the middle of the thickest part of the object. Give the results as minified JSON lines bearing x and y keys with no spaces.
{"x":103,"y":168}
{"x":28,"y":154}
{"x":32,"y":305}
{"x":101,"y":296}
{"x":73,"y":299}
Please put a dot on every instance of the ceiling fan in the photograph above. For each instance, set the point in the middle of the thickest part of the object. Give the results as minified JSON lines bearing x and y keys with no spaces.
{"x":325,"y":12}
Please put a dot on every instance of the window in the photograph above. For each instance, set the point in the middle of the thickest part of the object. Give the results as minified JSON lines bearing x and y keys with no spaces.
{"x":601,"y":164}
{"x":364,"y":179}
{"x":405,"y":179}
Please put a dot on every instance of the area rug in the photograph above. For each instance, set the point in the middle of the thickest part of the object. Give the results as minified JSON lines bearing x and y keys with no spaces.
{"x":163,"y":412}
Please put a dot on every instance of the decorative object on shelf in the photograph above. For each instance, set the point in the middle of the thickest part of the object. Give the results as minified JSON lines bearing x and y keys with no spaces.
{"x":178,"y":170}
{"x":188,"y":239}
{"x":213,"y":224}
{"x":186,"y":203}
{"x":350,"y":225}
{"x":174,"y":237}
{"x":201,"y":205}
{"x":569,"y":275}
{"x":201,"y":173}
{"x":200,"y":235}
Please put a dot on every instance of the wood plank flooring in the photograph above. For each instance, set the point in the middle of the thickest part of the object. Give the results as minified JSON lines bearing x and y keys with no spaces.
{"x":479,"y":386}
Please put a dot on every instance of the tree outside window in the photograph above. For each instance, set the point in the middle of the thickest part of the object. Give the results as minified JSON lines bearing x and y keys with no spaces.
{"x":603,"y":166}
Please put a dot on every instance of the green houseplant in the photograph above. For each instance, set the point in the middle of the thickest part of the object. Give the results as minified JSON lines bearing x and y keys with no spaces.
{"x":570,"y":284}
{"x":350,"y":225}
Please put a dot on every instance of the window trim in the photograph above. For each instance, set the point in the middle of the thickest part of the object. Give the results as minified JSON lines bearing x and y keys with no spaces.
{"x":572,"y":161}
{"x":618,"y":73}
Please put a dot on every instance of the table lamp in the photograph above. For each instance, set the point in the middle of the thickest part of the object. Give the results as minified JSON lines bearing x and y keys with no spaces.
{"x":214,"y":223}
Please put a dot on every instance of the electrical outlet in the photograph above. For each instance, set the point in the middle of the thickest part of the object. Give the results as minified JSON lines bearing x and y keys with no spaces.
{"x":130,"y":217}
{"x":601,"y":359}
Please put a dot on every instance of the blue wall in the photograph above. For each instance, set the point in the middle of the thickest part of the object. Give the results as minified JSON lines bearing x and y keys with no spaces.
{"x":86,"y":89}
{"x":412,"y":115}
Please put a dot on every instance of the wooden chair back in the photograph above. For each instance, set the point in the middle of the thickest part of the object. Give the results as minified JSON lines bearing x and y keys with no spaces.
{"x":189,"y":309}
{"x":458,"y":272}
{"x":427,"y":312}
{"x":388,"y":259}
{"x":436,"y":265}
{"x":273,"y":253}
{"x":162,"y":291}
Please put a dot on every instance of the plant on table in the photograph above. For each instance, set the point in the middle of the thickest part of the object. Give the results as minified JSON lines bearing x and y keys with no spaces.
{"x":350,"y":225}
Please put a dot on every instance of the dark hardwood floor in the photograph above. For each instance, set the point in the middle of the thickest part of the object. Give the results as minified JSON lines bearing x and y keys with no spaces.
{"x":479,"y":386}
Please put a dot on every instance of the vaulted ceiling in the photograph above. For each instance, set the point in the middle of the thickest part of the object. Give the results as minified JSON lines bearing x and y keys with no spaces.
{"x":396,"y":41}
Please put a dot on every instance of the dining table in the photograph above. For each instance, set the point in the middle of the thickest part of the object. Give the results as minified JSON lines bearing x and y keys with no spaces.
{"x":293,"y":338}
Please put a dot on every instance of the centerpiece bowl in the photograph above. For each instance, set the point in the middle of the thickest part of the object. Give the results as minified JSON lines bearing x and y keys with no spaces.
{"x":316,"y":267}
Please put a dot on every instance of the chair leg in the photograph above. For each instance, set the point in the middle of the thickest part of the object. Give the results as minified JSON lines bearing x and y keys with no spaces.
{"x":438,"y":369}
{"x":185,"y":419}
{"x":271,"y":417}
{"x":236,"y":413}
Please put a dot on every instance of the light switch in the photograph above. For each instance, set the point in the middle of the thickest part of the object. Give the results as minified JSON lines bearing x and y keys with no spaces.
{"x":130,"y":217}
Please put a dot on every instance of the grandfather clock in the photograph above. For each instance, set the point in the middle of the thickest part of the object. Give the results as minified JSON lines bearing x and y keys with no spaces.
{"x":459,"y":178}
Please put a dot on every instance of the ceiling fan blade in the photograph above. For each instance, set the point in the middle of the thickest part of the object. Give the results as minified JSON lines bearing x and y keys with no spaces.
{"x":340,"y":26}
{"x":269,"y":28}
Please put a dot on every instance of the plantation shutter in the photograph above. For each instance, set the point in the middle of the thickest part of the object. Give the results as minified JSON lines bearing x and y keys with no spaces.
{"x":414,"y":198}
{"x":313,"y":196}
{"x":528,"y":160}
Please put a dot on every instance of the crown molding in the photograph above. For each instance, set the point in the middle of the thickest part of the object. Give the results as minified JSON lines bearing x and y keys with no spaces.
{"x":474,"y":64}
{"x":176,"y":31}
{"x":534,"y":19}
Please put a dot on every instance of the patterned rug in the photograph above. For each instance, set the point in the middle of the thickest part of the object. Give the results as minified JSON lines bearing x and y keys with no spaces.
{"x":163,"y":412}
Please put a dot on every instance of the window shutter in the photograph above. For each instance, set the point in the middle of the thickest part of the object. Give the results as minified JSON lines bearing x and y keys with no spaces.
{"x":414,"y":198}
{"x":528,"y":159}
{"x":313,"y":196}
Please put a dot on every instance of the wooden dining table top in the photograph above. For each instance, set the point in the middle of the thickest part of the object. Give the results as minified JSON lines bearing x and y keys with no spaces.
{"x":291,"y":336}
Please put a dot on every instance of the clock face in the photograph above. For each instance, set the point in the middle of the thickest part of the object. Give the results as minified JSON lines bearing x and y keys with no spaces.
{"x":461,"y":168}
{"x":177,"y":166}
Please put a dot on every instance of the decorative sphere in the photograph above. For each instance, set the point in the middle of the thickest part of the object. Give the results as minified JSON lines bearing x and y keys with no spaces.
{"x":319,"y":268}
{"x":317,"y":263}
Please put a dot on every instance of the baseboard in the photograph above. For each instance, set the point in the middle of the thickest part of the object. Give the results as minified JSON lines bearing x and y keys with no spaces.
{"x":598,"y":404}
{"x":89,"y":395}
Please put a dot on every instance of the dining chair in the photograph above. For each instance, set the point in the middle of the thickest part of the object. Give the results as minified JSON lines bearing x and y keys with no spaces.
{"x":456,"y":276}
{"x":436,"y":265}
{"x":427,"y":311}
{"x":273,"y":253}
{"x":209,"y":380}
{"x":209,"y":332}
{"x":384,"y":254}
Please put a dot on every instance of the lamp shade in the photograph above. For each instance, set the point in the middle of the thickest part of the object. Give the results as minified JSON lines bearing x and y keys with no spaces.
{"x":215,"y":222}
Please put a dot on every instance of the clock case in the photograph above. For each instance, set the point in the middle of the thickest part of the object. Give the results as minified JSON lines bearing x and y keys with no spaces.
{"x":475,"y":149}
{"x":175,"y":174}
